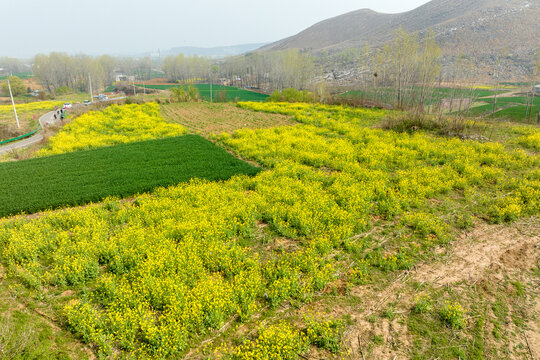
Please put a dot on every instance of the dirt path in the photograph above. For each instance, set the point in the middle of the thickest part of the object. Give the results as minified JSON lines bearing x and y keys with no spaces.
{"x":507,"y":94}
{"x":485,"y":248}
{"x":488,"y":254}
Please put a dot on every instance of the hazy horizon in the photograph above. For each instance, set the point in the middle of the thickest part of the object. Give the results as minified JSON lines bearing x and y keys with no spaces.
{"x":124,"y":27}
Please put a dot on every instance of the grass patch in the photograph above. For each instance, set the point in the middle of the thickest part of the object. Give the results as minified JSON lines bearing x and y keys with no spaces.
{"x":511,"y":108}
{"x":219,"y":92}
{"x":25,"y":334}
{"x":85,"y":176}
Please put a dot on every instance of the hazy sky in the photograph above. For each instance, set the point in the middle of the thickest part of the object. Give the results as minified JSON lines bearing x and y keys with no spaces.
{"x":28,"y":27}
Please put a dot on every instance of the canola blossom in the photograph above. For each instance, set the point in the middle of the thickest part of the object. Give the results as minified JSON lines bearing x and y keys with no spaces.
{"x":116,"y":124}
{"x":37,"y":106}
{"x":531,"y":141}
{"x":154,"y":276}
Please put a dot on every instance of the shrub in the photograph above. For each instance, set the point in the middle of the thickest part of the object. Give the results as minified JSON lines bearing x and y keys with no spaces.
{"x":292,"y":95}
{"x":63,"y":90}
{"x":17,"y":86}
{"x":413,"y":121}
{"x":179,"y":94}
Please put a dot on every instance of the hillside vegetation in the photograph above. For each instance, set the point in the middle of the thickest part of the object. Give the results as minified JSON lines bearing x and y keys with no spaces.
{"x":254,"y":266}
{"x":490,"y":27}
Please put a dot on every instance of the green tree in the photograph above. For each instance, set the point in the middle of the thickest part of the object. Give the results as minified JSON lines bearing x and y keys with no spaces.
{"x":17,"y":86}
{"x":403,"y":52}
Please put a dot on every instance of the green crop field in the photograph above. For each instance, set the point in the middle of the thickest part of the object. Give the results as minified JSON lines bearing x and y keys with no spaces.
{"x":508,"y":107}
{"x":436,"y":95}
{"x":511,"y":108}
{"x":23,"y":75}
{"x":231,"y":93}
{"x":87,"y":176}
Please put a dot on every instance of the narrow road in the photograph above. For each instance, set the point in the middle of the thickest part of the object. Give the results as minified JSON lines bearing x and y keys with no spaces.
{"x":45,"y":121}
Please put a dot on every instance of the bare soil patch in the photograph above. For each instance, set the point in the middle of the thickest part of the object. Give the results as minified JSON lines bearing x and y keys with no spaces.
{"x":159,"y":81}
{"x":506,"y":94}
{"x":485,"y":248}
{"x":33,"y":83}
{"x":213,"y":119}
{"x":475,"y":262}
{"x":455,"y":104}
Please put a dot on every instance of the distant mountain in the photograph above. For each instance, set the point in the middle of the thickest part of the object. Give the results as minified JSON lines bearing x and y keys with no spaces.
{"x":475,"y":27}
{"x":213,"y":52}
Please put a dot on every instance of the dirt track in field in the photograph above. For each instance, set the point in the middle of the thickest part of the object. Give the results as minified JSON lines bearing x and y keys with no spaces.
{"x":488,"y":254}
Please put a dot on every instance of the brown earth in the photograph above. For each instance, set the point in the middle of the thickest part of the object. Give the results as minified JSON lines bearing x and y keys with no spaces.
{"x":484,"y":249}
{"x":33,"y":83}
{"x":158,"y":81}
{"x":488,"y":255}
{"x":213,"y":119}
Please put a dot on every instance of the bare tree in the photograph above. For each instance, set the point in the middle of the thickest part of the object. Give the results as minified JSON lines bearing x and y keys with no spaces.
{"x":59,"y":69}
{"x":403,"y":52}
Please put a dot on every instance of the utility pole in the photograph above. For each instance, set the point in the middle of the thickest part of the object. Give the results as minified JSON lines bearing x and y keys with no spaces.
{"x":13,"y":102}
{"x":134,"y":90}
{"x":211,"y":97}
{"x":91,"y":94}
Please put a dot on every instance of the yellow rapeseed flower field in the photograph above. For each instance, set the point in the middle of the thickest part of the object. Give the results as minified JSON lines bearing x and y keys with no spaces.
{"x":164,"y":270}
{"x":30,"y":107}
{"x":114,"y":125}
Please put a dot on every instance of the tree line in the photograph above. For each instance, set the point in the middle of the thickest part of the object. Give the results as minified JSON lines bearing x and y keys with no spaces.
{"x":407,"y":72}
{"x":58,"y":70}
{"x":12,"y":65}
{"x":269,"y":70}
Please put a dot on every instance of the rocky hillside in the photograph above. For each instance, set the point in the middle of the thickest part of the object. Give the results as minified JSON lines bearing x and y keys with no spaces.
{"x":484,"y":29}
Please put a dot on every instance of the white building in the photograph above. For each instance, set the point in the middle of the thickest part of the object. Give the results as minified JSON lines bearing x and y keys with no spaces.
{"x":122,"y":77}
{"x":537,"y":89}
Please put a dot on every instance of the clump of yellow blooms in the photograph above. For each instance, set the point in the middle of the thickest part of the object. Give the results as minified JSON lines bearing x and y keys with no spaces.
{"x":168,"y":268}
{"x":422,"y":303}
{"x":359,"y":274}
{"x":325,"y":334}
{"x":453,"y":314}
{"x":116,"y":124}
{"x":491,"y":87}
{"x":275,"y":342}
